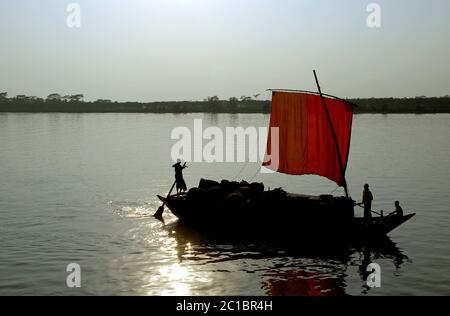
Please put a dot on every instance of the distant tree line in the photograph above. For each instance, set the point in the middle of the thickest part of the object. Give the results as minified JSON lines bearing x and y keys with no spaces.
{"x":245,"y":104}
{"x":403,"y":105}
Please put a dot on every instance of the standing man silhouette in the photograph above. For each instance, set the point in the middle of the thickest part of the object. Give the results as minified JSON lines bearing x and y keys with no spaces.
{"x":181,"y":185}
{"x":367,"y":201}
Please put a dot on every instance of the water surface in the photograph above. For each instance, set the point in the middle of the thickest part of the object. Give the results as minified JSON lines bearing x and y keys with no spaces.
{"x":82,"y":188}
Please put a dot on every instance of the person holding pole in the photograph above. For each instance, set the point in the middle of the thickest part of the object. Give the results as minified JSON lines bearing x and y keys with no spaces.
{"x":181,"y":184}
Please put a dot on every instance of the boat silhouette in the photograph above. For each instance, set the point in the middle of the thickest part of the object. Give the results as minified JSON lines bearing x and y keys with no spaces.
{"x":310,"y":133}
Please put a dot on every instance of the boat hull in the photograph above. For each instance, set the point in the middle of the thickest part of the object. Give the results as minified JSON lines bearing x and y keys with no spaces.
{"x":280,"y":216}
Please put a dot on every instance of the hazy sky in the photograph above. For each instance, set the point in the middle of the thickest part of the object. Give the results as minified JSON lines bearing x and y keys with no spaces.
{"x":151,"y":50}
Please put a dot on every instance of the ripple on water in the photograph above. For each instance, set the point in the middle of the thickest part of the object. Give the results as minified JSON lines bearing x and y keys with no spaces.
{"x":58,"y":171}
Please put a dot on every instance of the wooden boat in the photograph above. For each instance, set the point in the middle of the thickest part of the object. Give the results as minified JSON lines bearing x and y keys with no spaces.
{"x":380,"y":225}
{"x":279,"y":215}
{"x":312,"y":132}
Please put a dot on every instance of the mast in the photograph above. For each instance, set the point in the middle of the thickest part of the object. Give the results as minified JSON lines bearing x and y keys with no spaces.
{"x":333,"y":132}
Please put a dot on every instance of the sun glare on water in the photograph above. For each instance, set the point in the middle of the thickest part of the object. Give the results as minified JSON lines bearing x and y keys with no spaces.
{"x":177,"y":276}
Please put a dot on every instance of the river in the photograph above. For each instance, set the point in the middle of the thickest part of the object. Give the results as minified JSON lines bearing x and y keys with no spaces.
{"x":81,"y":188}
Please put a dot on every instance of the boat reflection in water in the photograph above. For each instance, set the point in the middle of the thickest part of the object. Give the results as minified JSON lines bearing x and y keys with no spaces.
{"x":286,"y":269}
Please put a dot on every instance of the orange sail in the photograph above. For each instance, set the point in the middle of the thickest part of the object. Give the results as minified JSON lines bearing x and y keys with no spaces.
{"x":308,"y":143}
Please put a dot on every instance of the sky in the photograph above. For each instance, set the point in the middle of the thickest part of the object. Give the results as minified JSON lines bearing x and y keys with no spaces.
{"x":161,"y":50}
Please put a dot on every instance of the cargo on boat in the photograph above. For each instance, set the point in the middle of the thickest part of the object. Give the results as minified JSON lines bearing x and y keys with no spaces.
{"x":243,"y":208}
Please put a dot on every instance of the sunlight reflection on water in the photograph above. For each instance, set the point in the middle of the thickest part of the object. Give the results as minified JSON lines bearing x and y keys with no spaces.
{"x":71,"y":192}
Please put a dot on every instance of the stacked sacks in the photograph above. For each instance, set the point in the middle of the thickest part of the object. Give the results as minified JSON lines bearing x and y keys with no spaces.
{"x":234,"y":193}
{"x":196,"y":194}
{"x":236,"y":199}
{"x":251,"y":189}
{"x":230,"y":186}
{"x":246,"y":194}
{"x":216,"y":194}
{"x":208,"y":184}
{"x":244,"y":184}
{"x":278,"y":193}
{"x":258,"y":188}
{"x":245,"y":189}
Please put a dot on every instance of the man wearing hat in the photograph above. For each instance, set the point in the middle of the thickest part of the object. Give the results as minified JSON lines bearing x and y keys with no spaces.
{"x":181,"y":185}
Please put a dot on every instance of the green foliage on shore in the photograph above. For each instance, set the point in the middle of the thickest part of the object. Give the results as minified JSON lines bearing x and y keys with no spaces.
{"x":75,"y":104}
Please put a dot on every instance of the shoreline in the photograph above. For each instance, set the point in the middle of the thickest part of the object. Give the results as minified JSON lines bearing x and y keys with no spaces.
{"x":211,"y":113}
{"x":418,"y":105}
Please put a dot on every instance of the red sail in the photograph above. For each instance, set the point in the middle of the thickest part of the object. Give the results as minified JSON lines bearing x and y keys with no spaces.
{"x":306,"y":141}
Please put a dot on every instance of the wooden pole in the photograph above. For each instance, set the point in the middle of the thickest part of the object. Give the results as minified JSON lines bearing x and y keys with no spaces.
{"x":160,"y":209}
{"x":333,"y":132}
